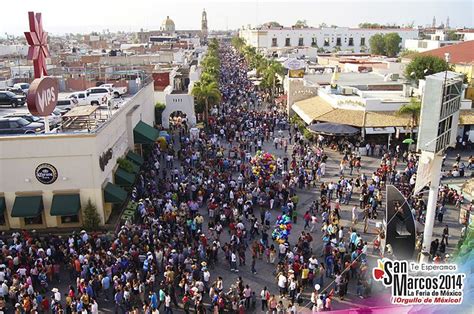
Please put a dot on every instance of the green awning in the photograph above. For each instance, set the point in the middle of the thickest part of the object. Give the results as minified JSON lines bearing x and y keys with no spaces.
{"x":65,"y":205}
{"x":144,"y":134}
{"x":114,"y":194}
{"x":27,"y":206}
{"x":135,"y":158}
{"x":3,"y":206}
{"x":135,"y":168}
{"x":124,"y":178}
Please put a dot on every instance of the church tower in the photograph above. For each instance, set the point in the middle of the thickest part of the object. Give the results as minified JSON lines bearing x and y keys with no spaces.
{"x":447,"y":23}
{"x":204,"y":26}
{"x":434,"y":22}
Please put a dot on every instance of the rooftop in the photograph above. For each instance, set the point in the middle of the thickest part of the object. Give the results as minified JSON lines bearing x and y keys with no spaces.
{"x":350,"y":79}
{"x":462,"y":53}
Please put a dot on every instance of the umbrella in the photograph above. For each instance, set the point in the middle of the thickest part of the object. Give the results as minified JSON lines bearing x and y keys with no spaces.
{"x":408,"y":141}
{"x":333,"y":129}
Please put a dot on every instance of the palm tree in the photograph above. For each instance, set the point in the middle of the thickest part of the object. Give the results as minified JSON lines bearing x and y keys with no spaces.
{"x":413,"y":109}
{"x":238,"y":43}
{"x":207,"y":93}
{"x":273,"y":69}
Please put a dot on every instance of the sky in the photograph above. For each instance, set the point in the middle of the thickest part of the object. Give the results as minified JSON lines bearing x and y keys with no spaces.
{"x":84,"y":16}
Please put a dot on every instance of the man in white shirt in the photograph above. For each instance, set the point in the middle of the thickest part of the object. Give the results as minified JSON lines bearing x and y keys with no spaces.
{"x":282,"y":284}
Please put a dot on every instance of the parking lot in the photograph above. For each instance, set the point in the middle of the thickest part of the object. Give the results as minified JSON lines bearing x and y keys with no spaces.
{"x":103,"y":112}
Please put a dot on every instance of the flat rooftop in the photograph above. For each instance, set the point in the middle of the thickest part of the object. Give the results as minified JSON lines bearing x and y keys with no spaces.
{"x":350,"y":79}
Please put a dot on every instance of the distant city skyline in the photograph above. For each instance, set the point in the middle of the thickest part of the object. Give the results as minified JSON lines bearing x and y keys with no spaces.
{"x":62,"y":17}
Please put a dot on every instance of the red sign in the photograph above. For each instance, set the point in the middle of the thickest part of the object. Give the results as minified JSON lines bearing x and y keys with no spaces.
{"x":42,"y":96}
{"x":37,"y":38}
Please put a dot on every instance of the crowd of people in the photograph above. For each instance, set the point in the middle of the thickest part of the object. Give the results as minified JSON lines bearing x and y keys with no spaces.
{"x":200,"y":205}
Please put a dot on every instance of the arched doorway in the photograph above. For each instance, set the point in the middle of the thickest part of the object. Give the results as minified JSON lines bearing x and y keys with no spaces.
{"x":177,"y":120}
{"x":179,"y":103}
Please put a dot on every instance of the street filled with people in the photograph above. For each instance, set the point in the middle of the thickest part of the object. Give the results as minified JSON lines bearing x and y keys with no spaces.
{"x":219,"y":211}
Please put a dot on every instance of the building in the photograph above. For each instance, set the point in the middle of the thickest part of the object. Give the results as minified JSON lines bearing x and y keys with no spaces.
{"x":461,"y":57}
{"x":168,"y":25}
{"x":327,"y":39}
{"x":437,"y":40}
{"x":47,"y":179}
{"x":204,"y":30}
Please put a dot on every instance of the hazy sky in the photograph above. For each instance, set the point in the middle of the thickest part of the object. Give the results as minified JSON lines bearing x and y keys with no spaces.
{"x":64,"y":16}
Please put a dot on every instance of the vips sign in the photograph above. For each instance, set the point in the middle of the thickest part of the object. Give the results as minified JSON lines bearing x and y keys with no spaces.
{"x":46,"y":173}
{"x":43,"y":96}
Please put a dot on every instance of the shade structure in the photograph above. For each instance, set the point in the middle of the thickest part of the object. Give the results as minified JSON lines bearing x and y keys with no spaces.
{"x":3,"y":206}
{"x":144,"y":133}
{"x":137,"y":159}
{"x":124,"y":178}
{"x":27,"y":206}
{"x":65,"y":205}
{"x":333,"y":129}
{"x":114,"y":194}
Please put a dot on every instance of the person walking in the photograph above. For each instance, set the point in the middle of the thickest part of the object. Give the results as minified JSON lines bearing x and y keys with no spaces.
{"x":265,"y":296}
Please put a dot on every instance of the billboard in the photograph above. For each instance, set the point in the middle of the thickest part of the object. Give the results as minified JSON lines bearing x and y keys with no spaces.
{"x":400,"y":230}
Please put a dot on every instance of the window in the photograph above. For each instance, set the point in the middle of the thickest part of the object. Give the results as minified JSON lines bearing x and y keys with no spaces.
{"x":301,"y":41}
{"x":3,"y":221}
{"x":4,"y":125}
{"x":287,"y":42}
{"x":274,"y":42}
{"x":326,"y":42}
{"x":338,"y":41}
{"x":38,"y":220}
{"x":69,"y":219}
{"x":351,"y":41}
{"x":422,"y":44}
{"x":314,"y":42}
{"x":362,"y":41}
{"x":82,"y":95}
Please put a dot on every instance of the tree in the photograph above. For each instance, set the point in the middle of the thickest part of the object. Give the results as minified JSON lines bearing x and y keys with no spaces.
{"x":272,"y":24}
{"x":422,"y":66}
{"x":91,"y":217}
{"x":159,"y":108}
{"x":451,"y":35}
{"x":413,"y":109}
{"x":369,"y":25}
{"x":377,"y":44}
{"x":392,"y":44}
{"x":238,"y":42}
{"x":207,"y":94}
{"x":406,"y":52}
{"x":301,"y":24}
{"x":270,"y":73}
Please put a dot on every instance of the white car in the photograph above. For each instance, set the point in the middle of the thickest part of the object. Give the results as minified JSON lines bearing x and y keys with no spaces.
{"x":79,"y":97}
{"x":23,"y":86}
{"x":99,"y":96}
{"x":117,"y":91}
{"x":66,"y":104}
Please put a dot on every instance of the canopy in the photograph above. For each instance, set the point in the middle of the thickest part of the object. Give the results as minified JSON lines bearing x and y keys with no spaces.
{"x":65,"y":205}
{"x":333,"y":129}
{"x":144,"y":133}
{"x":114,"y":194}
{"x":27,"y":206}
{"x":135,"y":158}
{"x":2,"y":205}
{"x":124,"y":178}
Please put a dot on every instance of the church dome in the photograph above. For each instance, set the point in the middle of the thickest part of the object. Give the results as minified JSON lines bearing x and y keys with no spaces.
{"x":168,"y":25}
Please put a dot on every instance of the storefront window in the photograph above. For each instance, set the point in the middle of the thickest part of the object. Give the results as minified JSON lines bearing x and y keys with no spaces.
{"x":69,"y":219}
{"x":38,"y":220}
{"x":3,"y":221}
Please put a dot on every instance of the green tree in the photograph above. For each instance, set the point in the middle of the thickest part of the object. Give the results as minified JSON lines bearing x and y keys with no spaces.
{"x":405,"y":52}
{"x":392,"y":44}
{"x":207,"y":94}
{"x":377,"y":44}
{"x":91,"y":217}
{"x":413,"y":110}
{"x":422,"y":66}
{"x":369,"y":25}
{"x":272,"y":24}
{"x":159,"y":108}
{"x":270,"y":73}
{"x":238,"y":43}
{"x":301,"y":24}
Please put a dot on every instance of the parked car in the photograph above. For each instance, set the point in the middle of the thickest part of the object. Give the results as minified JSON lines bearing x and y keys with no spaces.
{"x":23,"y":86}
{"x":99,"y":96}
{"x":117,"y":91}
{"x":16,"y":91}
{"x":79,"y":97}
{"x":28,"y":117}
{"x":10,"y":99}
{"x":66,"y":104}
{"x":19,"y":126}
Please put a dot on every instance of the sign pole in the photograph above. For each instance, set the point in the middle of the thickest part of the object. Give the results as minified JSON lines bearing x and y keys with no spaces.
{"x":46,"y":124}
{"x":431,"y":207}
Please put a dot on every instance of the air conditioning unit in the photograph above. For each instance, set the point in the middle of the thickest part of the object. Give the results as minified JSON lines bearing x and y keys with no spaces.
{"x":347,"y":91}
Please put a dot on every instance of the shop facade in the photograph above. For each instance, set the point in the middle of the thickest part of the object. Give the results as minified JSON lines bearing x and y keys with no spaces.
{"x":47,"y":180}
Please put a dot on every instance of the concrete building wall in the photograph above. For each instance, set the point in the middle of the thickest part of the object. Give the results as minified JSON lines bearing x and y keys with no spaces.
{"x":179,"y":102}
